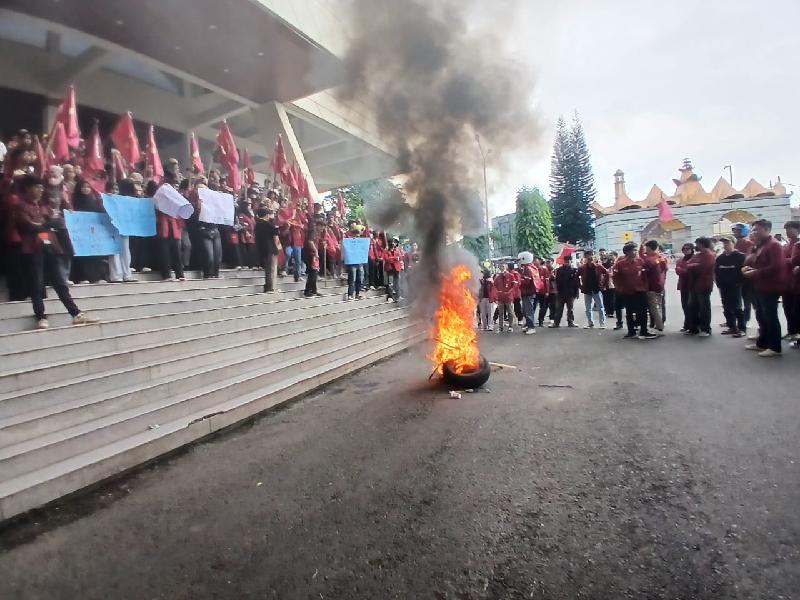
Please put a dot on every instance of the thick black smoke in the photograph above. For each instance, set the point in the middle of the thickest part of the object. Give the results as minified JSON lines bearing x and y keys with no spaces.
{"x":435,"y":74}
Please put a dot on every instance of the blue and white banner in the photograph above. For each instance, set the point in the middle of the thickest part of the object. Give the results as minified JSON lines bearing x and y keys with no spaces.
{"x":131,"y":216}
{"x":92,"y":234}
{"x":356,"y":250}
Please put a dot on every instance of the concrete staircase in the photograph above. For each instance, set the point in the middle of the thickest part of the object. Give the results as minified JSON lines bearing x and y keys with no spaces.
{"x":169,"y":363}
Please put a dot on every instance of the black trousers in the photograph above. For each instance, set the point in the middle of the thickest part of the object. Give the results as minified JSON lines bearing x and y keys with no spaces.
{"x":687,"y":312}
{"x":36,"y":268}
{"x":544,"y":303}
{"x":141,"y":252}
{"x":518,"y":309}
{"x":609,"y":302}
{"x":311,"y":282}
{"x":560,"y":304}
{"x":731,"y":297}
{"x":749,"y":300}
{"x":270,"y":264}
{"x":700,"y":311}
{"x":170,"y":258}
{"x":790,"y":311}
{"x":635,"y":312}
{"x":769,"y":327}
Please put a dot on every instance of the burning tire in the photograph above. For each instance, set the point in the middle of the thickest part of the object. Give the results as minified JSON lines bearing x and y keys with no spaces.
{"x":468,"y":379}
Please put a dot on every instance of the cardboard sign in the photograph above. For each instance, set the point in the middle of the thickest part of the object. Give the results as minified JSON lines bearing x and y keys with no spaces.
{"x":92,"y":234}
{"x":131,"y":216}
{"x":169,"y":201}
{"x":356,"y":250}
{"x":217,"y":207}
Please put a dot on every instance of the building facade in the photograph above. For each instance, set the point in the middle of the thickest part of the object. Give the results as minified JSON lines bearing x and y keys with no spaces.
{"x":696,"y":212}
{"x":268,"y":67}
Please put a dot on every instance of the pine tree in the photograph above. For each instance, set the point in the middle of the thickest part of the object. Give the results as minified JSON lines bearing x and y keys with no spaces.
{"x":572,"y":188}
{"x":533,"y":223}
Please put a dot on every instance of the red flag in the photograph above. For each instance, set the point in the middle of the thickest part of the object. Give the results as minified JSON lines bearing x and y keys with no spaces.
{"x":290,"y":179}
{"x":67,"y":115}
{"x":229,"y":156}
{"x":194,"y":150}
{"x":151,"y":156}
{"x":249,"y":172}
{"x":124,"y":138}
{"x":567,"y":250}
{"x":278,"y":163}
{"x":41,"y":157}
{"x":118,"y":165}
{"x":664,"y":211}
{"x":94,"y":152}
{"x":58,"y":146}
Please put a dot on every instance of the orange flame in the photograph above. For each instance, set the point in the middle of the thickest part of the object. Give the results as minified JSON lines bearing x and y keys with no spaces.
{"x":454,"y":333}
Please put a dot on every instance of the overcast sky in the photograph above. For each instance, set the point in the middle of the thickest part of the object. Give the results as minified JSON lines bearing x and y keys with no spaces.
{"x":655,"y":81}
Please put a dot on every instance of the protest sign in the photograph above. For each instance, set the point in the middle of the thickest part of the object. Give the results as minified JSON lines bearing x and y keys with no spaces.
{"x":356,"y":250}
{"x":92,"y":234}
{"x":169,"y":201}
{"x":217,"y":207}
{"x":131,"y":216}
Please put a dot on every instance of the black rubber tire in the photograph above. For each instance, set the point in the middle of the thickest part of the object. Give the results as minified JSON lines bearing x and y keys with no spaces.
{"x":467,"y":381}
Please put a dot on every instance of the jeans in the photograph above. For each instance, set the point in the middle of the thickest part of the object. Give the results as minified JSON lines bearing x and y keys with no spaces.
{"x":655,"y":309}
{"x":353,"y":280}
{"x":731,"y":296}
{"x":393,"y":285}
{"x":700,"y":311}
{"x":186,"y":248}
{"x":769,"y":335}
{"x":569,"y":303}
{"x":119,"y":265}
{"x":270,"y":272}
{"x":170,"y":257}
{"x":635,"y":312}
{"x":596,"y":298}
{"x":212,"y":247}
{"x":295,"y":252}
{"x":38,"y":266}
{"x":485,"y":310}
{"x":529,"y":310}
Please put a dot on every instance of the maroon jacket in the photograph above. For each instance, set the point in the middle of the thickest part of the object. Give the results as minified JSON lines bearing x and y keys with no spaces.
{"x":683,"y":273}
{"x":655,"y":272}
{"x":530,"y":280}
{"x":794,"y":261}
{"x":770,"y":268}
{"x":744,"y":245}
{"x":701,"y":271}
{"x":504,"y":286}
{"x":600,"y":272}
{"x":629,"y":276}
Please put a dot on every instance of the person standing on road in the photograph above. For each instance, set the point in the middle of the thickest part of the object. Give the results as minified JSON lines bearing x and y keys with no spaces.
{"x":631,"y":288}
{"x":530,"y":285}
{"x":701,"y":274}
{"x":567,"y":289}
{"x":791,"y":301}
{"x":485,"y":300}
{"x":741,"y":233}
{"x":767,"y":274}
{"x":593,"y":278}
{"x":545,"y":293}
{"x":655,"y":272}
{"x":729,"y":278}
{"x":609,"y":293}
{"x":505,"y":286}
{"x":685,"y":283}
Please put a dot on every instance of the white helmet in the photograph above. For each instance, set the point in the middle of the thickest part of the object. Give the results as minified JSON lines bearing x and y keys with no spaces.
{"x":525,"y":258}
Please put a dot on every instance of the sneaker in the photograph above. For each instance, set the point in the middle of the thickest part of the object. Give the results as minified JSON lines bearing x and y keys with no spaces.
{"x":629,"y":336}
{"x":647,"y":336}
{"x":42,"y":324}
{"x":350,"y":298}
{"x":510,"y":330}
{"x":617,"y":327}
{"x":358,"y":297}
{"x":181,"y":278}
{"x":521,"y":323}
{"x":130,"y":279}
{"x":788,"y":337}
{"x":689,"y":332}
{"x":754,"y":348}
{"x":69,"y":282}
{"x":728,"y":332}
{"x":589,"y":326}
{"x":553,"y":326}
{"x":704,"y":334}
{"x":390,"y":300}
{"x":146,"y":270}
{"x":768,"y":353}
{"x":530,"y":331}
{"x":603,"y":326}
{"x":683,"y":330}
{"x":752,"y":337}
{"x":571,"y":325}
{"x":541,"y":323}
{"x":723,"y":324}
{"x":737,"y":334}
{"x":83,"y":319}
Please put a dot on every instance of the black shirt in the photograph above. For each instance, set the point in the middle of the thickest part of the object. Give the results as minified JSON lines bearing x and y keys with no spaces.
{"x":728,"y":270}
{"x":591,"y":285}
{"x":266,"y":231}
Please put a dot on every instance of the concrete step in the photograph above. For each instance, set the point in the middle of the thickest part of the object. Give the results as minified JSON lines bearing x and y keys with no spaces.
{"x":35,"y":453}
{"x":67,"y":380}
{"x":34,"y":348}
{"x":21,"y":493}
{"x":18,"y":316}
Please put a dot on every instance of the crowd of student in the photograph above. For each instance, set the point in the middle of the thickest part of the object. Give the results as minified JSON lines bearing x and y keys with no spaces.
{"x":270,"y":232}
{"x":752,"y":270}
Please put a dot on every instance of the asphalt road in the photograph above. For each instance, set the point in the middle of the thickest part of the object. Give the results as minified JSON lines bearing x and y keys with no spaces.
{"x":598,"y":468}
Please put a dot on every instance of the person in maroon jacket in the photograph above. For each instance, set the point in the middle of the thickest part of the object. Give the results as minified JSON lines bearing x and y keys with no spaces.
{"x":530,"y":285}
{"x":392,"y":267}
{"x":701,"y":277}
{"x":593,"y":278}
{"x":741,"y":233}
{"x":505,"y":286}
{"x":631,"y":290}
{"x":684,"y":283}
{"x":655,"y":273}
{"x":791,"y":301}
{"x":767,"y":273}
{"x":794,"y":278}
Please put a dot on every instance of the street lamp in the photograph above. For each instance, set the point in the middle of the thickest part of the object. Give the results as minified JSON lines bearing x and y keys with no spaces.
{"x":485,"y":192}
{"x":730,"y":173}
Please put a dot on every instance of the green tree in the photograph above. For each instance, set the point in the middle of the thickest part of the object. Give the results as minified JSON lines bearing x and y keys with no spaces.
{"x":533,"y":223}
{"x":377,"y":191}
{"x":572,"y":188}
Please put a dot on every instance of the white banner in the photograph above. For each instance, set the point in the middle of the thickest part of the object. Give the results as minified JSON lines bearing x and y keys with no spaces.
{"x":169,"y":201}
{"x":216,"y":207}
